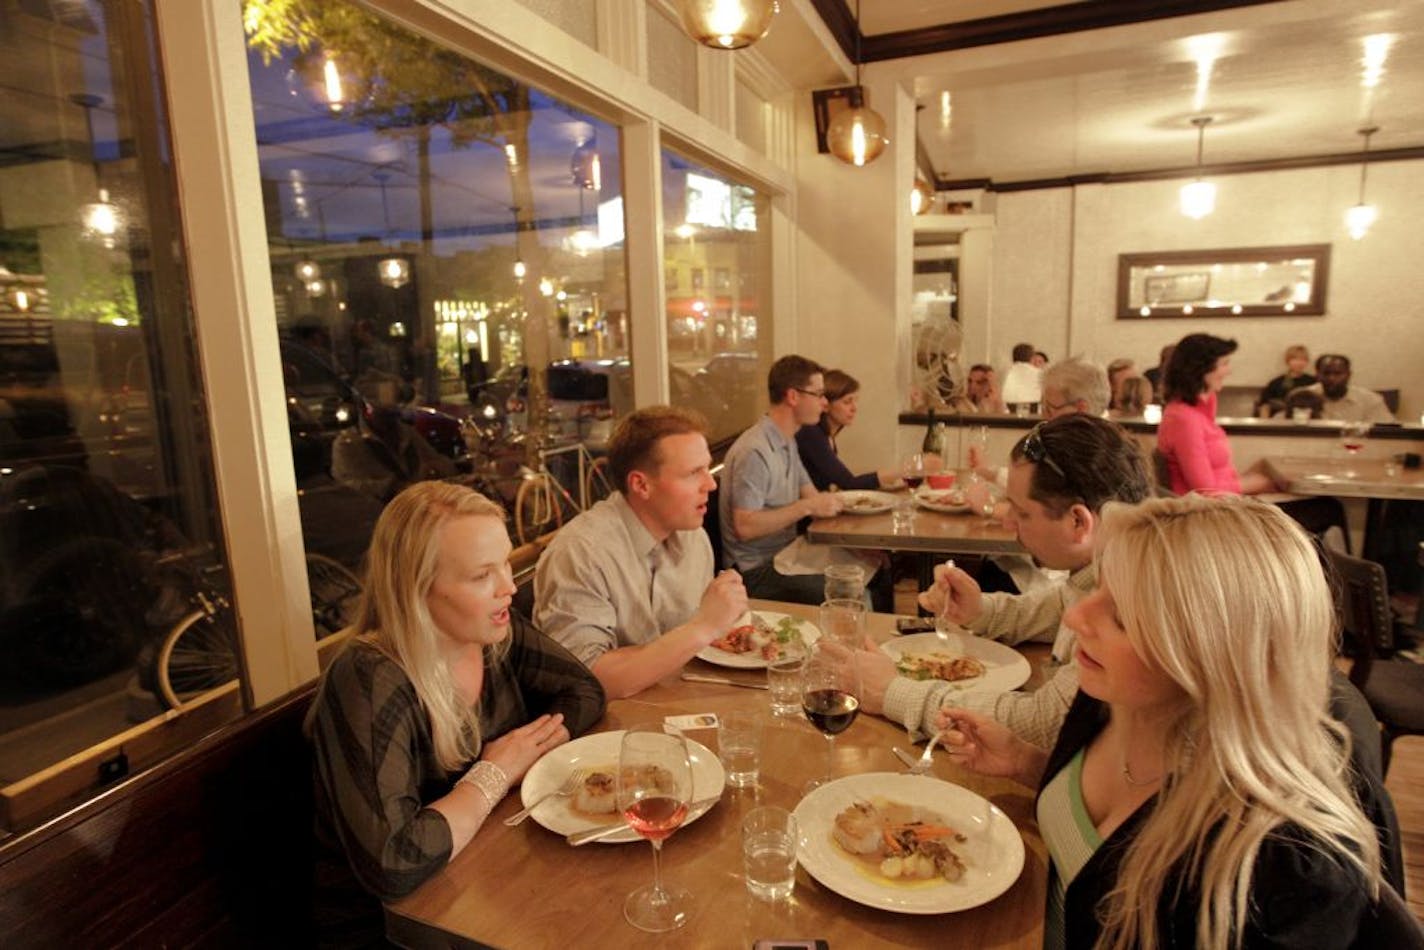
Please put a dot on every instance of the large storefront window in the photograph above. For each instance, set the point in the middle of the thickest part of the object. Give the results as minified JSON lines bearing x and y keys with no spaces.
{"x":716,"y":267}
{"x":109,"y":539}
{"x":437,"y":230}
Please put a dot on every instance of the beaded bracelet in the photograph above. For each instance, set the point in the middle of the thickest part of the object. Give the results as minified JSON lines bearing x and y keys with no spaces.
{"x":489,"y":779}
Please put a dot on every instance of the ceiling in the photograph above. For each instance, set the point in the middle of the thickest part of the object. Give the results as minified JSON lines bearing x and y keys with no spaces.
{"x":1105,"y":90}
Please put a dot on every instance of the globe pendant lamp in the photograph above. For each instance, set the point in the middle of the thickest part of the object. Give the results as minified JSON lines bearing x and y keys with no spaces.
{"x":1198,"y":199}
{"x":727,"y":24}
{"x":921,"y":197}
{"x":1361,"y":217}
{"x":857,"y":134}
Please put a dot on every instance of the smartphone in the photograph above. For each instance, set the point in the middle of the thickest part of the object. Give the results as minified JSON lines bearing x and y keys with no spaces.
{"x":791,"y":945}
{"x":914,"y":625}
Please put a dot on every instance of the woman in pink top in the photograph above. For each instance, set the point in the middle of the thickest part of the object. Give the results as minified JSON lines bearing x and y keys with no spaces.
{"x":1195,"y":448}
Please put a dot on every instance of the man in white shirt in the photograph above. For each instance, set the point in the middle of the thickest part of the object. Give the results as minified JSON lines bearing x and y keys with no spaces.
{"x":1023,"y":382}
{"x":627,"y":585}
{"x":1343,"y":402}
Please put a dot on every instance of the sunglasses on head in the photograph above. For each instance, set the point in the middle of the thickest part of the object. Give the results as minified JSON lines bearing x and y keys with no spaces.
{"x":1036,"y":452}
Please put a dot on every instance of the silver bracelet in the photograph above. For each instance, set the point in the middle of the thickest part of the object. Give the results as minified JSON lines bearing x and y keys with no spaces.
{"x":489,"y":779}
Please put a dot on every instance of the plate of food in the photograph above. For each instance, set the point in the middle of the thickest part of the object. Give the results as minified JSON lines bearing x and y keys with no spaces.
{"x":961,"y":659}
{"x":907,"y":843}
{"x":948,"y":500}
{"x":761,"y":637}
{"x":593,"y":803}
{"x":865,"y":502}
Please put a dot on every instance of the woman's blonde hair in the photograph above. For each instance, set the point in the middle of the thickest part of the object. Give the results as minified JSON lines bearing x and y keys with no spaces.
{"x":400,"y":569}
{"x":1226,"y":596}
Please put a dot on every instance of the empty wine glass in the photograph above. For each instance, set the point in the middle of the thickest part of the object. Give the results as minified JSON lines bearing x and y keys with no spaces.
{"x":654,"y":787}
{"x":830,"y":696}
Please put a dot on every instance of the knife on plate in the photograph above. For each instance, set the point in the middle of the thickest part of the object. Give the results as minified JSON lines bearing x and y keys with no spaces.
{"x":593,"y":834}
{"x":721,"y":681}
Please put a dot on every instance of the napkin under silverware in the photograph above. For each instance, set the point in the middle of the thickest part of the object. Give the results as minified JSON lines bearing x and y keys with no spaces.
{"x":593,"y":834}
{"x":721,"y":681}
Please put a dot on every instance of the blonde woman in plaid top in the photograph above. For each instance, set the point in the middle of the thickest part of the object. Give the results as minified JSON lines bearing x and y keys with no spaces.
{"x":442,"y":700}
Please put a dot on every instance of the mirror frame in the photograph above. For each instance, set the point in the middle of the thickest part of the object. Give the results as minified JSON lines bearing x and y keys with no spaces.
{"x":1314,"y":307}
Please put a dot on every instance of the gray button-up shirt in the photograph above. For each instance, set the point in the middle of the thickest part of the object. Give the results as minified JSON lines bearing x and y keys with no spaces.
{"x":603,"y":582}
{"x":762,"y":470}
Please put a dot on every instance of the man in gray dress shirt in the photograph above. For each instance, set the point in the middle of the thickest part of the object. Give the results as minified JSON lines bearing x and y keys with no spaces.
{"x":766,"y":491}
{"x":627,"y":585}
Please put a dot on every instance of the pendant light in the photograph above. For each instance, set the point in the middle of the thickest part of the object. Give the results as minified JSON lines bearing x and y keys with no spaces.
{"x":393,"y":271}
{"x":1359,"y":218}
{"x":857,"y":134}
{"x":921,"y":197}
{"x":1199,"y":197}
{"x":100,"y":218}
{"x":727,"y":24}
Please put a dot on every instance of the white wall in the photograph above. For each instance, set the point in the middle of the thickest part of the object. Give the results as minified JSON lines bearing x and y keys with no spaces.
{"x":1059,"y":245}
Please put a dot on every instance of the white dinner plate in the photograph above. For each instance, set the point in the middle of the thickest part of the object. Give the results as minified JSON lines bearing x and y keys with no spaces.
{"x":861,"y":502}
{"x":810,"y":633}
{"x":937,"y":500}
{"x":1004,"y":667}
{"x":600,"y":750}
{"x":993,"y":855}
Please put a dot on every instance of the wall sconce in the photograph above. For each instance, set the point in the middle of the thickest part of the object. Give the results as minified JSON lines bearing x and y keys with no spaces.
{"x":727,"y":24}
{"x":921,"y":197}
{"x":1198,"y":199}
{"x":1359,"y":218}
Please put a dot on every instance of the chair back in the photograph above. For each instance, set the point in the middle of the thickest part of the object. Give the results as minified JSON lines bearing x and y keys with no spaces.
{"x":1362,"y":605}
{"x":712,"y":520}
{"x":1163,"y":474}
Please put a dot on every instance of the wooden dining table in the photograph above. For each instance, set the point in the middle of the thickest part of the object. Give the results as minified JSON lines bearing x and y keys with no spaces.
{"x":526,"y":887}
{"x":931,"y":532}
{"x":1374,"y":478}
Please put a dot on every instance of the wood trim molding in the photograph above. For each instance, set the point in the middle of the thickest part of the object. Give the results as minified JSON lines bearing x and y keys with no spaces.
{"x":1406,"y":153}
{"x":1029,"y":24}
{"x":841,"y":22}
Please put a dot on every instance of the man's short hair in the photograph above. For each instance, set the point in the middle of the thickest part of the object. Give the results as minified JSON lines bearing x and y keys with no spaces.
{"x":790,"y":372}
{"x":1086,"y":460}
{"x":1079,"y":381}
{"x":981,"y":368}
{"x":635,"y":443}
{"x":1023,"y":352}
{"x":1330,"y":358}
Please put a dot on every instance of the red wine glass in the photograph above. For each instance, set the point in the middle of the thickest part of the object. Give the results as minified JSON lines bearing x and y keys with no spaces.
{"x":830,"y":696}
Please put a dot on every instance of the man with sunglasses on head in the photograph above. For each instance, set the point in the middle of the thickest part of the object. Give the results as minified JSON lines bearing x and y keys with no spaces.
{"x":766,"y":491}
{"x":1060,"y":476}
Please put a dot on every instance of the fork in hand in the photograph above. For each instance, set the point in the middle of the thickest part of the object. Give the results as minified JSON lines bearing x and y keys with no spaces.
{"x":570,"y":786}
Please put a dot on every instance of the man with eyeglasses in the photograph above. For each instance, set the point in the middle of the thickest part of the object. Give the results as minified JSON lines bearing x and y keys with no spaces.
{"x":765,"y":489}
{"x":1060,"y":476}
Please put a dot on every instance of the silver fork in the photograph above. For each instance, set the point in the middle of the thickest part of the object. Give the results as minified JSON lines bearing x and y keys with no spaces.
{"x":570,"y":786}
{"x":925,"y":762}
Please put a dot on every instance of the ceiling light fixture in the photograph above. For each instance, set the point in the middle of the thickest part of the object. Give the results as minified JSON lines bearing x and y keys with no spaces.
{"x":857,"y":134}
{"x":393,"y":271}
{"x":727,"y":24}
{"x":100,"y":218}
{"x":921,"y":197}
{"x":1359,"y":218}
{"x":1198,"y":198}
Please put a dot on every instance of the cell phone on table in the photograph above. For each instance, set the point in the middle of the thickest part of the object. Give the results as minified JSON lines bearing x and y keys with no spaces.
{"x":791,"y":945}
{"x":905,"y":625}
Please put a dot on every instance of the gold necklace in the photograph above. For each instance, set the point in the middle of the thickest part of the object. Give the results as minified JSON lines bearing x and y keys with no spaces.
{"x":1134,"y":782}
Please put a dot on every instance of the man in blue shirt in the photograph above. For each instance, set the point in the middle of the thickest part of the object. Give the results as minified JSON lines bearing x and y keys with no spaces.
{"x":766,"y":491}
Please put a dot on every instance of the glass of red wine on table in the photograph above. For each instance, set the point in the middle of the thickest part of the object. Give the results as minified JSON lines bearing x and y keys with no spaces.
{"x":830,"y":696}
{"x":654,"y":787}
{"x":1352,"y":440}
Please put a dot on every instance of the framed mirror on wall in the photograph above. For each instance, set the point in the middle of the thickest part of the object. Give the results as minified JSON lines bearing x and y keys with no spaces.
{"x":1285,"y":281}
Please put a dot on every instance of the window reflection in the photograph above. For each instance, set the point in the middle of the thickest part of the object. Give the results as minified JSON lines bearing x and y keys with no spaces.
{"x":715,"y":264}
{"x":447,"y":255}
{"x":107,"y":507}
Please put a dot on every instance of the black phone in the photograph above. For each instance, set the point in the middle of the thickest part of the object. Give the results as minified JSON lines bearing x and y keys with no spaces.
{"x":791,"y":945}
{"x":914,"y":625}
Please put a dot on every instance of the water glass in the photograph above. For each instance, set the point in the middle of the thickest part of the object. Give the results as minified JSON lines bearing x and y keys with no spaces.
{"x":783,"y":677}
{"x":845,"y":582}
{"x":844,"y":621}
{"x":739,"y":746}
{"x":902,"y":516}
{"x":769,"y":839}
